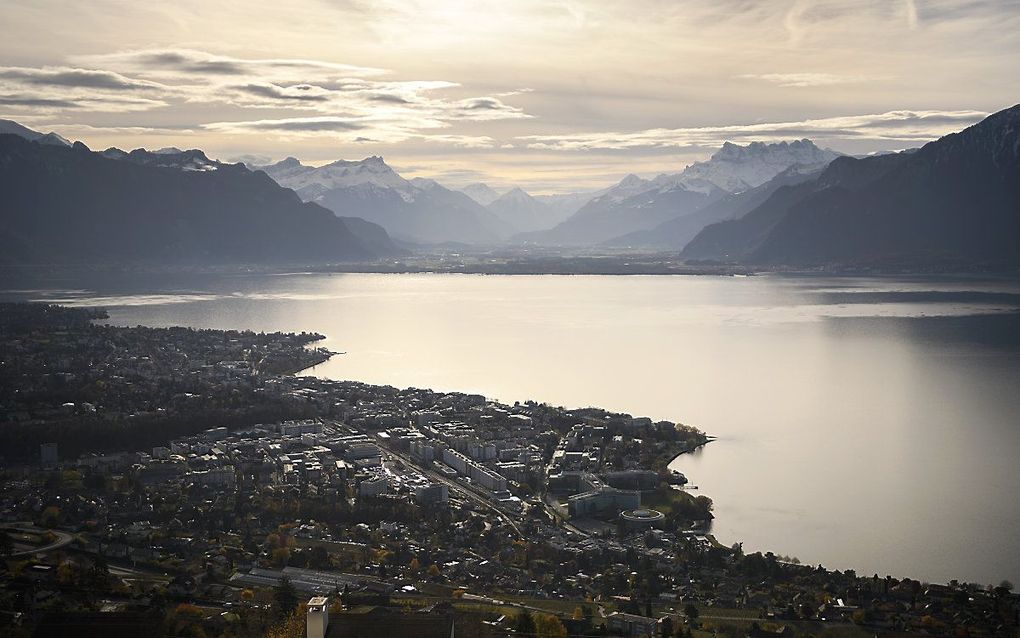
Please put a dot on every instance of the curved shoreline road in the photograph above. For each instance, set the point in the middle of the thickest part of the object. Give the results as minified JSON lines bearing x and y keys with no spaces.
{"x":63,"y":538}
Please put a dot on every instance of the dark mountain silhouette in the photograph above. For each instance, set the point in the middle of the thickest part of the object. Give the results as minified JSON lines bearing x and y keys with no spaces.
{"x":954,"y":202}
{"x":61,"y":204}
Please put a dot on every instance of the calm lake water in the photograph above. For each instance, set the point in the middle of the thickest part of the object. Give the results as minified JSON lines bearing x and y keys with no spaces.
{"x":870,"y":423}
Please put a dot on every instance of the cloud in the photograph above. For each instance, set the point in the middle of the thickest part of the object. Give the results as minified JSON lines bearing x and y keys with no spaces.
{"x":72,"y":78}
{"x":79,"y":130}
{"x":183,"y":62}
{"x":301,"y":93}
{"x":57,"y":88}
{"x":461,"y":141}
{"x":805,"y":79}
{"x":309,"y":97}
{"x":289,"y":125}
{"x":36,"y":102}
{"x":354,"y":130}
{"x":900,"y":126}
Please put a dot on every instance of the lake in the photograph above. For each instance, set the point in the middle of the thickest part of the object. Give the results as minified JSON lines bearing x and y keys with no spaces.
{"x":865,"y":423}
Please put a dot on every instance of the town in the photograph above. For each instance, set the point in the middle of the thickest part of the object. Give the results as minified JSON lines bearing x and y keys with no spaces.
{"x":188,"y":483}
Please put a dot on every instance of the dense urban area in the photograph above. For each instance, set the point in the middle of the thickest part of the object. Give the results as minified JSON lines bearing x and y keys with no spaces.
{"x":185,"y":482}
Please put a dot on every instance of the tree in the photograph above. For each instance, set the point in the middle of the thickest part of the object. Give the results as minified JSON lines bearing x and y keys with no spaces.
{"x":293,"y":626}
{"x":66,"y":573}
{"x":578,"y":613}
{"x":50,"y":516}
{"x":280,"y":556}
{"x":524,"y":624}
{"x":284,"y":597}
{"x":549,"y":626}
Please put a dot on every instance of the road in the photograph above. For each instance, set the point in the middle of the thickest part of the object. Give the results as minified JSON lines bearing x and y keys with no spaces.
{"x":455,"y":486}
{"x":63,"y":538}
{"x":551,"y":509}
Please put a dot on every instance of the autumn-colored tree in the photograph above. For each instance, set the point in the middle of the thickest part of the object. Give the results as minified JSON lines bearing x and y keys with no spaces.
{"x":434,"y":570}
{"x":188,"y":610}
{"x":280,"y":556}
{"x":549,"y":626}
{"x":293,"y":626}
{"x":578,"y":613}
{"x":414,"y":565}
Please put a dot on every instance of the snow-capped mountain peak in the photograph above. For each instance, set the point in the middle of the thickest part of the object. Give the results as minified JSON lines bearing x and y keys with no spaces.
{"x":311,"y":181}
{"x":13,"y":128}
{"x":736,"y":168}
{"x":733,"y":169}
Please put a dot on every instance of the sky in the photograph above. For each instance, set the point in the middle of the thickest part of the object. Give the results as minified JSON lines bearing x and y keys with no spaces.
{"x":550,"y":95}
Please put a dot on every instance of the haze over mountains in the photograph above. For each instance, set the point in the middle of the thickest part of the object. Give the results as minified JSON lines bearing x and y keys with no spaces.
{"x":416,"y":211}
{"x":637,"y":204}
{"x":423,"y":211}
{"x":954,"y":201}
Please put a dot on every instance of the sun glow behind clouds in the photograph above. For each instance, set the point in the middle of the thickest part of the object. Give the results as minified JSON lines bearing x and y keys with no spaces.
{"x":507,"y":91}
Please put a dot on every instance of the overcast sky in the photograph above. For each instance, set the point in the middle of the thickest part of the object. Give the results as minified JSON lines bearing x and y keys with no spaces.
{"x":548,"y":94}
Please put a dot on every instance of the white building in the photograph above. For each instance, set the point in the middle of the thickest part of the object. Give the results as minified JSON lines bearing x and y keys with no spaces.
{"x":317,"y":617}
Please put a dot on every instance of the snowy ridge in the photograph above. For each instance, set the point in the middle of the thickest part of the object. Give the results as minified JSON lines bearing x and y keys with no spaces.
{"x":732,"y":169}
{"x":311,"y":182}
{"x":735,"y":169}
{"x":11,"y":127}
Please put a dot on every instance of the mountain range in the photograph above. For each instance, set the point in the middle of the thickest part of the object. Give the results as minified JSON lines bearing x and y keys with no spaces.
{"x":954,"y":202}
{"x":621,"y":214}
{"x":423,"y":211}
{"x":675,"y":233}
{"x":419,"y":210}
{"x":10,"y":127}
{"x":67,"y":204}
